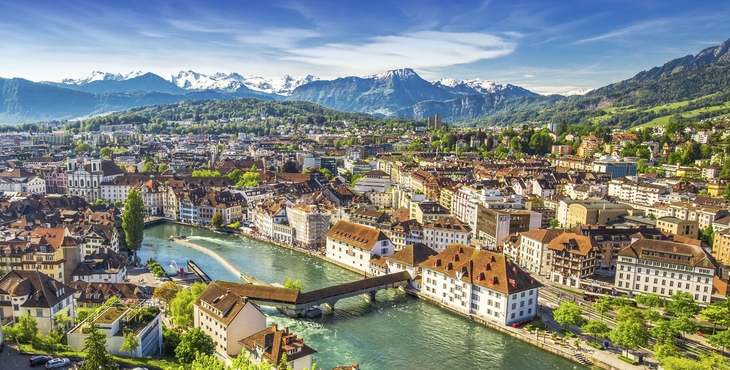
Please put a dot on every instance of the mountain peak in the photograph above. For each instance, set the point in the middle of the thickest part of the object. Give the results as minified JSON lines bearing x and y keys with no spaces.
{"x":399,"y":74}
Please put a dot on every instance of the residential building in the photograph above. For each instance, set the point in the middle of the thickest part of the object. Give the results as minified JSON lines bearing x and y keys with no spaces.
{"x":354,"y":245}
{"x":533,"y":252}
{"x":95,"y":294}
{"x":595,"y":212}
{"x":481,"y":283}
{"x":675,"y":226}
{"x":272,"y":343}
{"x":428,"y":211}
{"x":561,"y":149}
{"x":632,"y":192}
{"x":267,"y":214}
{"x":409,"y":259}
{"x":227,"y":317}
{"x":664,"y":268}
{"x":571,"y":258}
{"x":36,"y":294}
{"x":102,"y":266}
{"x":721,"y":246}
{"x":447,"y":230}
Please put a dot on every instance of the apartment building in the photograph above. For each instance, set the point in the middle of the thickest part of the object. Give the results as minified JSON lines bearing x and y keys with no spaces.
{"x":227,"y":317}
{"x":481,"y":283}
{"x":441,"y":233}
{"x":571,"y":258}
{"x":675,"y":226}
{"x":666,"y":267}
{"x":496,"y":224}
{"x":36,"y":294}
{"x":355,"y":245}
{"x":310,"y":224}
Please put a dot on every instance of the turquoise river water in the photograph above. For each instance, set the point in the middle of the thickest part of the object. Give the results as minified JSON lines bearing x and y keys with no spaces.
{"x":395,"y":332}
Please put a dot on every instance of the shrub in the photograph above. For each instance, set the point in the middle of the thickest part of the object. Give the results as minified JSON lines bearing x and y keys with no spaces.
{"x":595,"y":345}
{"x":628,"y":360}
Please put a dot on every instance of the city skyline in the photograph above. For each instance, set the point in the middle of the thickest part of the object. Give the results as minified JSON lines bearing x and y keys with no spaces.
{"x":547,"y":48}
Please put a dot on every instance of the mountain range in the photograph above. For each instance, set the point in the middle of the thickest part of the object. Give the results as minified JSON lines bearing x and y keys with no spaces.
{"x":396,"y":93}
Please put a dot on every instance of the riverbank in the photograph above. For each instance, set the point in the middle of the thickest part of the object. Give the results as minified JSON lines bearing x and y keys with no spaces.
{"x":546,"y":345}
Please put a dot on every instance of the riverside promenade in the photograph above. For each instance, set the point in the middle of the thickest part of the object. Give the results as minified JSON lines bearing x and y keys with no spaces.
{"x":222,"y":260}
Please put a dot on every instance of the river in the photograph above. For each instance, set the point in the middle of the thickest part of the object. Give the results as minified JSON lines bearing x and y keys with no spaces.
{"x":395,"y":332}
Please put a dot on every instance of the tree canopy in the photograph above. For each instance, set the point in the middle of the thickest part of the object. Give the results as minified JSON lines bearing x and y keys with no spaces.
{"x":133,"y":220}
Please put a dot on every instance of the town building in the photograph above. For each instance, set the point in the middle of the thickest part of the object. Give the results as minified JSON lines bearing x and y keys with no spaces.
{"x":496,"y":224}
{"x":533,"y":249}
{"x":85,"y":178}
{"x":571,"y":258}
{"x":227,"y":317}
{"x":447,"y":230}
{"x":481,"y":283}
{"x":354,"y":245}
{"x":664,"y":268}
{"x":310,"y":224}
{"x":272,"y":343}
{"x":675,"y":226}
{"x":409,"y":259}
{"x":36,"y":294}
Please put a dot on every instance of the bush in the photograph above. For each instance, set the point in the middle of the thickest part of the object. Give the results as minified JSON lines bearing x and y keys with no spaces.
{"x":595,"y":345}
{"x":567,"y":333}
{"x":628,"y":360}
{"x":155,"y":268}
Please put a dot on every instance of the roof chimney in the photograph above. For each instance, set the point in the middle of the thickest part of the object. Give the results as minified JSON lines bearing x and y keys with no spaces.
{"x":228,"y":291}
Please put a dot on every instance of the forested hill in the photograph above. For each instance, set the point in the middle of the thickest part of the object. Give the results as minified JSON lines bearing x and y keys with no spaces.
{"x":635,"y":101}
{"x":242,"y":115}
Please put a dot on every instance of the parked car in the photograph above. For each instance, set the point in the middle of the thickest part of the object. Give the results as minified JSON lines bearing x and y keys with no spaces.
{"x":39,"y":360}
{"x":57,"y":362}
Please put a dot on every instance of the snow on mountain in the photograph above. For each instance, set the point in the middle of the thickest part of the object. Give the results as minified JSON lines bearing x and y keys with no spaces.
{"x":191,"y":80}
{"x":402,"y":74}
{"x":578,"y":92}
{"x":478,"y":85}
{"x":101,"y":76}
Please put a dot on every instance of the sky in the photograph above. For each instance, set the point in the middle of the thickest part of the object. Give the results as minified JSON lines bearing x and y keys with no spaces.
{"x":547,"y":46}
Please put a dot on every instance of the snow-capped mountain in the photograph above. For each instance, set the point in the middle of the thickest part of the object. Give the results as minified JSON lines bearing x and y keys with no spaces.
{"x":578,"y":92}
{"x":396,"y":74}
{"x":101,"y":76}
{"x":190,"y":80}
{"x":479,"y":86}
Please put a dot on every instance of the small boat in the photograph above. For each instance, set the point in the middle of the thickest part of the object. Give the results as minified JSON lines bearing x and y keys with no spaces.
{"x":313,"y":312}
{"x":180,"y":237}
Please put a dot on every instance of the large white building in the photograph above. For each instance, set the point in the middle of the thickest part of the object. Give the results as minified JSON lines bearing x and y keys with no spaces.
{"x":533,"y":251}
{"x":629,"y":191}
{"x":447,"y":230}
{"x":36,"y":294}
{"x":481,"y":283}
{"x":665,"y":268}
{"x":355,"y":245}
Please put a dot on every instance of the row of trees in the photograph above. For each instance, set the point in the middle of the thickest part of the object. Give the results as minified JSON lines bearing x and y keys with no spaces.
{"x":634,"y":326}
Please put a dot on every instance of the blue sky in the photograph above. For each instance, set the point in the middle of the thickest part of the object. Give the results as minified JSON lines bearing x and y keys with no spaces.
{"x":546,"y":46}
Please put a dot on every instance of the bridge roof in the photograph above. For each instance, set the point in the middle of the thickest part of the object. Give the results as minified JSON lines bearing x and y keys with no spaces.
{"x":354,"y":286}
{"x":292,"y":296}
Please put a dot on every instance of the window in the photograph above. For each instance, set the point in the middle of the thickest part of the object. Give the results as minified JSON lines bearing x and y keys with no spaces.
{"x":39,"y":312}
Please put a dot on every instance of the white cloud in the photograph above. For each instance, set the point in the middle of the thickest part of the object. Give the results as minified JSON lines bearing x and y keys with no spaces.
{"x":278,"y":37}
{"x":424,"y":49}
{"x":649,"y":25}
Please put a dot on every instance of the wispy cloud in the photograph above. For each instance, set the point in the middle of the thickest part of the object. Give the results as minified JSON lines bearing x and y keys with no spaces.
{"x":626,"y":31}
{"x":278,"y":37}
{"x":425,"y":49}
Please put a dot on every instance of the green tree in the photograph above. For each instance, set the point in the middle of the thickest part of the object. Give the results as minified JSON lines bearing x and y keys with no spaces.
{"x":663,"y":330}
{"x":181,"y":308}
{"x":726,"y":193}
{"x":206,"y":362}
{"x":682,"y":304}
{"x":284,"y":363}
{"x":133,"y":221}
{"x":249,"y":179}
{"x":148,"y":167}
{"x":326,"y":173}
{"x":27,"y":328}
{"x":720,"y":340}
{"x":118,"y":203}
{"x":554,"y":223}
{"x":717,"y":313}
{"x":568,"y":313}
{"x":82,"y":314}
{"x":193,"y":342}
{"x":355,"y":179}
{"x":62,"y":321}
{"x":206,"y":173}
{"x":541,"y":142}
{"x":629,"y":334}
{"x":595,"y":328}
{"x":293,"y":284}
{"x":708,"y":235}
{"x":162,"y":167}
{"x":130,"y":344}
{"x":170,"y":339}
{"x":97,"y":356}
{"x":234,"y":175}
{"x":630,"y":313}
{"x":651,"y":300}
{"x":83,"y":147}
{"x":603,"y":304}
{"x":666,"y":349}
{"x":217,"y":219}
{"x":684,"y":324}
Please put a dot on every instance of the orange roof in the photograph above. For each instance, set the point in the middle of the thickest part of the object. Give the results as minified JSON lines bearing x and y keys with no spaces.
{"x":360,"y":236}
